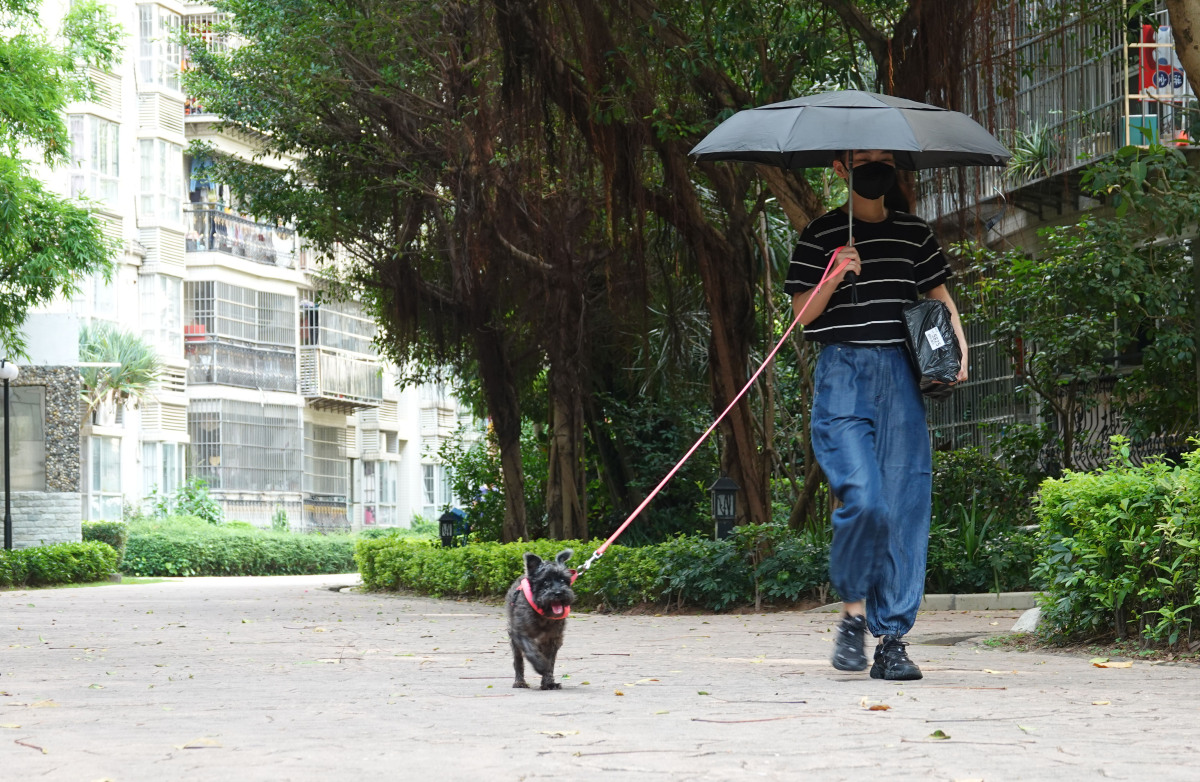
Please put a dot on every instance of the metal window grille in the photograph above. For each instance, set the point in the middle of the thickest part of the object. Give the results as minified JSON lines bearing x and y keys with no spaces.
{"x":239,"y":336}
{"x":1061,"y":81}
{"x":243,"y":446}
{"x":340,"y":325}
{"x":326,"y":472}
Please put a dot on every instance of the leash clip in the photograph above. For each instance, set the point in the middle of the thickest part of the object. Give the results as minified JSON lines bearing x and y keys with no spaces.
{"x":595,"y":555}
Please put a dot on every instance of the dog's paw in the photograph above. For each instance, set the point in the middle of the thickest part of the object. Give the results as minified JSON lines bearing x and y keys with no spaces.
{"x":520,"y":686}
{"x":551,"y":686}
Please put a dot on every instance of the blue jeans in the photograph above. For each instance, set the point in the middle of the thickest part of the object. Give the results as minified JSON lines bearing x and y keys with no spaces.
{"x":870,"y":437}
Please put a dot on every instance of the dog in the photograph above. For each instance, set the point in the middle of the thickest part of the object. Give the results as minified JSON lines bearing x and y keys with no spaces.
{"x":537,"y":606}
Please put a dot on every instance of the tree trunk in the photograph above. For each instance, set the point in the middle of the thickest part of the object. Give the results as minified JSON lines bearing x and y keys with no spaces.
{"x":1185,"y":27}
{"x":505,"y":409}
{"x":565,"y":491}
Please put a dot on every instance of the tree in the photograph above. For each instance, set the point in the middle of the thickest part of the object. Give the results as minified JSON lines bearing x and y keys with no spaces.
{"x":1101,"y":288}
{"x":136,"y":371}
{"x":47,"y":242}
{"x":1185,"y":26}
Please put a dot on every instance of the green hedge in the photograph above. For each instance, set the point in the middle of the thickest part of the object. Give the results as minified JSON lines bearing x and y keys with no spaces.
{"x":757,"y":564}
{"x":114,"y":533}
{"x":187,"y":546}
{"x":1121,"y":550}
{"x":685,"y":570}
{"x":62,"y":563}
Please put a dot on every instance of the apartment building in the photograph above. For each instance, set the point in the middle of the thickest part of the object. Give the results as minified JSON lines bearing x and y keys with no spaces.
{"x":273,"y":392}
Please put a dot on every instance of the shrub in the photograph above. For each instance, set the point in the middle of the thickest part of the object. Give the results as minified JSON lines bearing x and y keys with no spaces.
{"x":114,"y":533}
{"x":979,"y":552}
{"x":188,"y":546}
{"x":686,"y":570}
{"x":1119,"y":552}
{"x":61,"y":563}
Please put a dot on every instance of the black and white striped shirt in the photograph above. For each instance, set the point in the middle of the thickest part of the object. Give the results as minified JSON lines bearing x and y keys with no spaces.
{"x":901,"y":260}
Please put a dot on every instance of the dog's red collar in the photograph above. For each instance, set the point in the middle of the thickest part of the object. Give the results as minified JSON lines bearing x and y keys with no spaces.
{"x":528,"y":592}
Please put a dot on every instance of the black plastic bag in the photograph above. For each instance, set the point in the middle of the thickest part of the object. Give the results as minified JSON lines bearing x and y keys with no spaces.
{"x":933,"y":346}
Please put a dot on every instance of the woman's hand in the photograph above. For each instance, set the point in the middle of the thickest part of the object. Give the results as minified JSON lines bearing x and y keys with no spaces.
{"x":855,"y":263}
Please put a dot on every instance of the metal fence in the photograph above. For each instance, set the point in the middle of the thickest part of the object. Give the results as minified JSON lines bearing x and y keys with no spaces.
{"x":210,"y":229}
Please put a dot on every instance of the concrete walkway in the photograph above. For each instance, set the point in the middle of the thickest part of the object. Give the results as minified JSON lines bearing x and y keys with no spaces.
{"x":289,"y":679}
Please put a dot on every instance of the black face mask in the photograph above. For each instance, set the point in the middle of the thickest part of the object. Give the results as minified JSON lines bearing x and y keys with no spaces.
{"x":873,"y":180}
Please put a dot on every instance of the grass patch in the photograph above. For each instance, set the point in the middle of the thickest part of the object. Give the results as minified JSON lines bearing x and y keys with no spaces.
{"x":1113,"y":648}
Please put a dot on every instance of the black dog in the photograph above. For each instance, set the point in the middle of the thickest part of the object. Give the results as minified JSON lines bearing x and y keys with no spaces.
{"x":537,"y":605}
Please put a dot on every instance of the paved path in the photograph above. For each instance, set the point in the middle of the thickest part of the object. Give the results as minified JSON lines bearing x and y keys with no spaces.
{"x":285,"y":679}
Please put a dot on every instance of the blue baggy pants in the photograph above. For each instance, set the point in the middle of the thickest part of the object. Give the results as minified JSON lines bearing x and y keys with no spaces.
{"x":870,"y":437}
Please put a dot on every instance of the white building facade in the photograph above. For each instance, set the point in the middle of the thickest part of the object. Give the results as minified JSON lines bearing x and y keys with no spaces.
{"x":271,"y":393}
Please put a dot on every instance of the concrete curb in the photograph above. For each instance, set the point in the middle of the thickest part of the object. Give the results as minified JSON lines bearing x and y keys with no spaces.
{"x":985,"y":601}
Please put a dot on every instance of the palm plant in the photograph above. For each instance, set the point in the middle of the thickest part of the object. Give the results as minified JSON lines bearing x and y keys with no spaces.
{"x":1033,"y":153}
{"x":136,"y":366}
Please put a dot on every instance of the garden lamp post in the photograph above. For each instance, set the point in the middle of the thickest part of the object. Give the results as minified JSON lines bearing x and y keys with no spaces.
{"x":724,"y":506}
{"x":446,"y":528}
{"x":8,"y":371}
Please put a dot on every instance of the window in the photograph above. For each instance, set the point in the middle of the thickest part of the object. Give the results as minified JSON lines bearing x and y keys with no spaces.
{"x":104,"y":495}
{"x":162,"y":313}
{"x":325,"y":464}
{"x":436,"y":490}
{"x":380,"y":493}
{"x":246,"y":446}
{"x":97,"y":299}
{"x":162,"y":467}
{"x":159,"y":52}
{"x":160,"y":197}
{"x":94,"y":151}
{"x":27,"y":438}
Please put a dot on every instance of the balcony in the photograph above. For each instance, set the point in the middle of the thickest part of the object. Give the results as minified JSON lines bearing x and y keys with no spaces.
{"x":210,"y":229}
{"x":337,"y":381}
{"x":212,"y":362}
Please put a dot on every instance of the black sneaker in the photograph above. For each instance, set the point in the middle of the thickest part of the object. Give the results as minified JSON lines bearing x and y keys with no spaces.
{"x":848,"y":654}
{"x":891,"y":661}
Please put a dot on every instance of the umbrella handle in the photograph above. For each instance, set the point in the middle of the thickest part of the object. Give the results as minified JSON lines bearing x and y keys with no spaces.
{"x":850,"y":277}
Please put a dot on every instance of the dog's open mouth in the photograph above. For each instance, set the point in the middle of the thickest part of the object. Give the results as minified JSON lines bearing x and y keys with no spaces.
{"x":556,"y":609}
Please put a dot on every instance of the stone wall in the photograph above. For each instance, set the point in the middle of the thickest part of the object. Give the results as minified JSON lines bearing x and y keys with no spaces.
{"x":52,"y":516}
{"x":63,"y":421}
{"x":42,"y":518}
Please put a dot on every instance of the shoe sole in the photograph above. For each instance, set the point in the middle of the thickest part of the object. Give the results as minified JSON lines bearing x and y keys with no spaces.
{"x":878,"y":674}
{"x":848,"y":667}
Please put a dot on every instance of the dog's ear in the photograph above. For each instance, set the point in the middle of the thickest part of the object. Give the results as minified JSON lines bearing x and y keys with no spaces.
{"x":563,"y":556}
{"x":532,"y":563}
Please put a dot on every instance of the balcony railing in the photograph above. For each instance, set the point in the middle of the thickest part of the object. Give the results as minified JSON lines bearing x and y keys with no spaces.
{"x":336,"y":381}
{"x":213,"y":230}
{"x":217,"y":363}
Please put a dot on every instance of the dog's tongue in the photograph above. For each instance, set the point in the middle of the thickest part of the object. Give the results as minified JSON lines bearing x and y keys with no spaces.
{"x":556,"y":608}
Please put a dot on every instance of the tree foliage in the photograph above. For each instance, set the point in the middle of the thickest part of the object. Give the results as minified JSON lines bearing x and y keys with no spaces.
{"x":46,"y":242}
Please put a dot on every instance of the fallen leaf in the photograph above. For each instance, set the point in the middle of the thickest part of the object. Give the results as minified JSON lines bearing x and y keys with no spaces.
{"x":989,"y":670}
{"x":1025,"y":729}
{"x":1101,"y":703}
{"x":1126,"y":664}
{"x":664,"y":711}
{"x":12,"y":725}
{"x":95,"y":686}
{"x":1098,"y":660}
{"x":47,"y":704}
{"x":879,"y":707}
{"x":702,"y":692}
{"x":199,"y":744}
{"x":320,"y":630}
{"x":617,"y":692}
{"x":993,"y":623}
{"x":938,"y":735}
{"x":558,"y":734}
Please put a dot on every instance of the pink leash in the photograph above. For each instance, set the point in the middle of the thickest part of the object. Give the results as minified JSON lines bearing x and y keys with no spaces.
{"x":824,"y":278}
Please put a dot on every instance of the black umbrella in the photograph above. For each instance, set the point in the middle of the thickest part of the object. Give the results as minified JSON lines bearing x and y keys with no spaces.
{"x":805,"y":132}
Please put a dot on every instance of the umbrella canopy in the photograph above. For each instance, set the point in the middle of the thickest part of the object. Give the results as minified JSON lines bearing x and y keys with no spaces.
{"x":805,"y":132}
